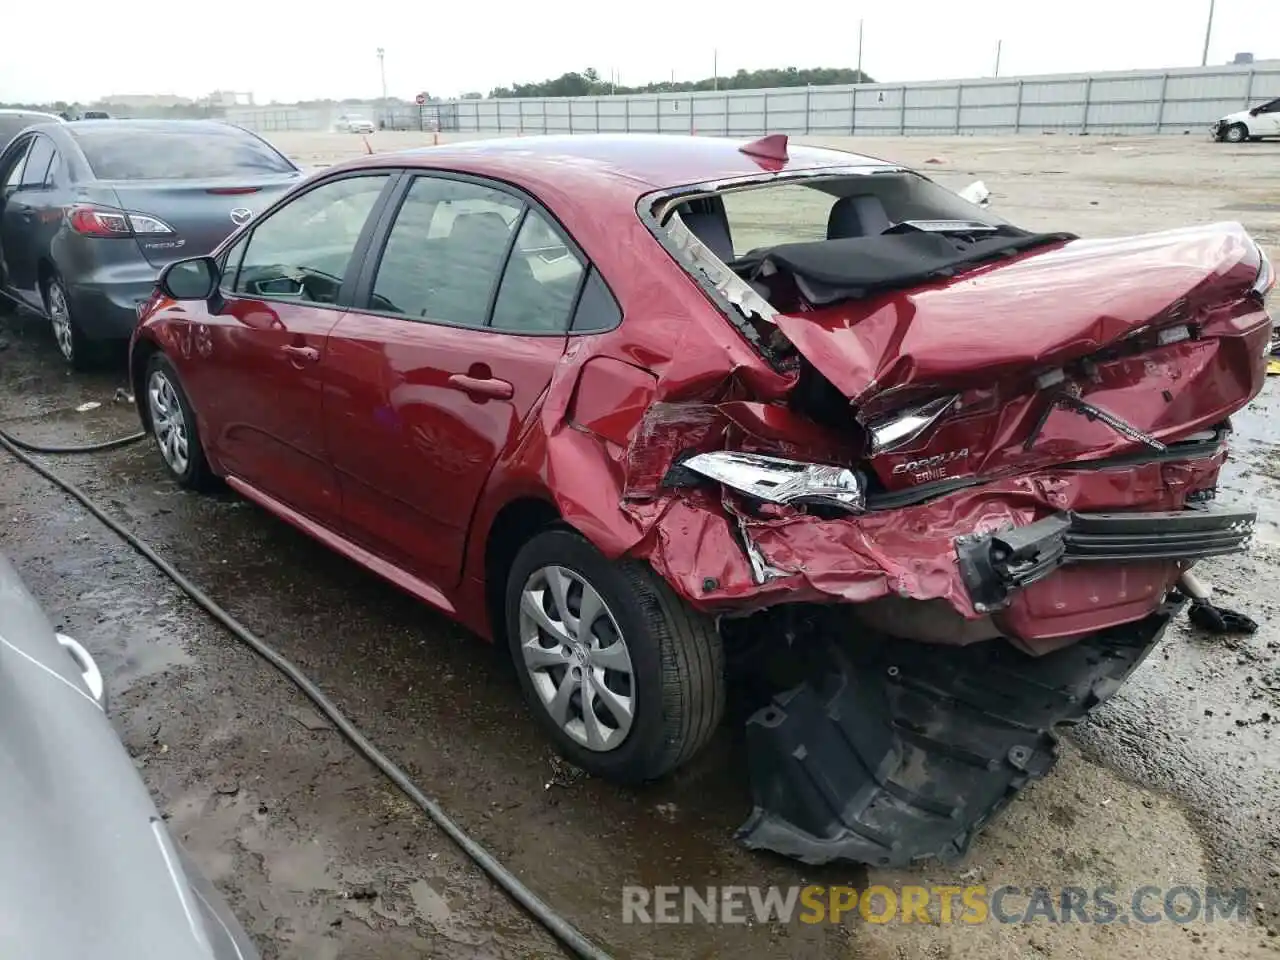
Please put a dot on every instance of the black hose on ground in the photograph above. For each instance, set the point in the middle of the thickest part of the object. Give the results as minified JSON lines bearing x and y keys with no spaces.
{"x":555,"y":924}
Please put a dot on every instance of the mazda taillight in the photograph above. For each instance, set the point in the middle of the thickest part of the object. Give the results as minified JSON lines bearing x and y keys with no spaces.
{"x":106,"y":222}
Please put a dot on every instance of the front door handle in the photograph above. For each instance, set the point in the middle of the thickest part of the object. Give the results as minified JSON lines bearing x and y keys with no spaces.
{"x":488,"y":388}
{"x":301,"y":354}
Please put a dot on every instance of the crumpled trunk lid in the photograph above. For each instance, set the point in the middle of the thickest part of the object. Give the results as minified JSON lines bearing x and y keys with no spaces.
{"x":1033,"y":313}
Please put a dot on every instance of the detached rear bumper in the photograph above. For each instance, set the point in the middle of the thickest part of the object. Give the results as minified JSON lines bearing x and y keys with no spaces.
{"x":995,"y":565}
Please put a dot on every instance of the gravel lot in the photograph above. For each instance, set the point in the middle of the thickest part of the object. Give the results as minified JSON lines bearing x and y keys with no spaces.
{"x":1176,"y":781}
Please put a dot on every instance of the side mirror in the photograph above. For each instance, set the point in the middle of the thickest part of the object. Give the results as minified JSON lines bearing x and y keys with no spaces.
{"x":193,"y":279}
{"x":1255,"y":111}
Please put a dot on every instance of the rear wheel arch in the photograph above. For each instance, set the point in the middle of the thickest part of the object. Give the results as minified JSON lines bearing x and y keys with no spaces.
{"x":513,"y":526}
{"x":139,"y":358}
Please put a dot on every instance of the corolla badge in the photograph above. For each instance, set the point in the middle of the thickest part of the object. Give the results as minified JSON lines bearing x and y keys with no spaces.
{"x":241,"y":215}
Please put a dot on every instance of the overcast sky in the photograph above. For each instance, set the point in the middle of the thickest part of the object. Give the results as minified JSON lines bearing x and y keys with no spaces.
{"x":287,"y":51}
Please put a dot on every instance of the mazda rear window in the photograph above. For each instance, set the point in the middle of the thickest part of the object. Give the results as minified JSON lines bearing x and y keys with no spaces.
{"x":123,"y":152}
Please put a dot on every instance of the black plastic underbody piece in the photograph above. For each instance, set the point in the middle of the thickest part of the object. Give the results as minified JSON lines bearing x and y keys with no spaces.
{"x":905,"y":751}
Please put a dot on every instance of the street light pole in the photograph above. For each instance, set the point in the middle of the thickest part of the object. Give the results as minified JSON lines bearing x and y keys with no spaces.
{"x":382,"y":69}
{"x":715,"y":69}
{"x":859,"y":51}
{"x":1208,"y":32}
{"x":999,"y":44}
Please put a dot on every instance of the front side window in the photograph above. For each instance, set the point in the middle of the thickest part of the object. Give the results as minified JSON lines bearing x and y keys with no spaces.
{"x":445,"y":252}
{"x":1272,"y":107}
{"x":302,"y":251}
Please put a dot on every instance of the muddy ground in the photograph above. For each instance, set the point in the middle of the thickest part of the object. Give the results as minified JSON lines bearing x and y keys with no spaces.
{"x":1175,"y":781}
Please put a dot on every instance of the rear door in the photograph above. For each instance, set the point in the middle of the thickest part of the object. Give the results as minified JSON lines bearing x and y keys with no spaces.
{"x":1267,"y":122}
{"x":12,"y":233}
{"x":32,"y":217}
{"x":460,"y":319}
{"x":255,"y":367}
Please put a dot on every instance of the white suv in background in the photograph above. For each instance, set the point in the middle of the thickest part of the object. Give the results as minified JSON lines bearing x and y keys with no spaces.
{"x":1253,"y":124}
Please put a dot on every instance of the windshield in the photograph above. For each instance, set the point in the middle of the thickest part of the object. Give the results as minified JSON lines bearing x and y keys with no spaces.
{"x":178,"y":152}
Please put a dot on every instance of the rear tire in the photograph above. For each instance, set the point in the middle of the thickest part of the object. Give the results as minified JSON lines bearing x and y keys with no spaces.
{"x":77,"y":350}
{"x":648,"y":667}
{"x":1237,"y":133}
{"x":173,"y":425}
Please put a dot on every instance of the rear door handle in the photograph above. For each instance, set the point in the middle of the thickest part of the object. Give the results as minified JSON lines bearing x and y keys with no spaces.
{"x":489,"y":388}
{"x":301,"y":354}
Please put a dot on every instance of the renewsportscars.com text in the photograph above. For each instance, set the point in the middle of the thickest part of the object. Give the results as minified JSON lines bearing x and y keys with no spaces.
{"x":972,"y":904}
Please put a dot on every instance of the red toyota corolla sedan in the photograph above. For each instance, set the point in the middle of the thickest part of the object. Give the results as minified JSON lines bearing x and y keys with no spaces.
{"x":643,"y":406}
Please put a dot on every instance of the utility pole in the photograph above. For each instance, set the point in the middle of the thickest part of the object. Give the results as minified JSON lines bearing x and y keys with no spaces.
{"x":382,"y":69}
{"x":859,"y":51}
{"x":999,"y":44}
{"x":1208,"y":32}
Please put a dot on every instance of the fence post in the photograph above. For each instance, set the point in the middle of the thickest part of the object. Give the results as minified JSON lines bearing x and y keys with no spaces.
{"x":476,"y":104}
{"x":853,"y":111}
{"x":1017,"y":111}
{"x":808,"y":107}
{"x":497,"y":109}
{"x":766,"y":114}
{"x":626,"y":114}
{"x":520,"y":115}
{"x":568,"y":103}
{"x":1084,"y":117}
{"x":959,"y":103}
{"x":1164,"y":90}
{"x":1248,"y":91}
{"x":597,"y":102}
{"x":727,"y":132}
{"x":902,"y":113}
{"x":692,"y":131}
{"x":657,"y":114}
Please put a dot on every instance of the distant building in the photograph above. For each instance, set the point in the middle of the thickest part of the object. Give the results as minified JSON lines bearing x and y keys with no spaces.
{"x":230,"y":98}
{"x":146,"y":101}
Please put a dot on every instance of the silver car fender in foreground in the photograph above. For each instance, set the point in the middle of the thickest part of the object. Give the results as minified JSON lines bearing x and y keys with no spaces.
{"x":87,"y":866}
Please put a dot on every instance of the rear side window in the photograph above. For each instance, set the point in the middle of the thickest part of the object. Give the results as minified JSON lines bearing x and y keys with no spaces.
{"x":540,"y":283}
{"x":445,"y":252}
{"x":123,"y":151}
{"x":11,"y":125}
{"x":38,"y":160}
{"x":15,"y":158}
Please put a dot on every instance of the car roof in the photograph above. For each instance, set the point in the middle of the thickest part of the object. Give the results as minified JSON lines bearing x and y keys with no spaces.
{"x":119,"y":125}
{"x":12,"y":112}
{"x":633,"y":164}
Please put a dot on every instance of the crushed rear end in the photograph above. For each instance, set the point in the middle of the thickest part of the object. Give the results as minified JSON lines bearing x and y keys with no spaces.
{"x":957,"y":508}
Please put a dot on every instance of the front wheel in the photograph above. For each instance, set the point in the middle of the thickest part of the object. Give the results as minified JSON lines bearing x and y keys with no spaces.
{"x":1237,"y":133}
{"x":173,"y":424}
{"x":624,"y":677}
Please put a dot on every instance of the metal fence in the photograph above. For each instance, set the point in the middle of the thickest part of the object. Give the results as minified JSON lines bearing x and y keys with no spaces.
{"x":1169,"y":101}
{"x":1132,"y":102}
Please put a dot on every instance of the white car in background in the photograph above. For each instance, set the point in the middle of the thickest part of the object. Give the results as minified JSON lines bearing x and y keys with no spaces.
{"x":348,"y":124}
{"x":1253,"y":124}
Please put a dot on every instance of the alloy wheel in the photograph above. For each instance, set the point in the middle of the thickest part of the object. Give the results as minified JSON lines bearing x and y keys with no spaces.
{"x":60,"y":318}
{"x":577,"y":658}
{"x":168,"y":422}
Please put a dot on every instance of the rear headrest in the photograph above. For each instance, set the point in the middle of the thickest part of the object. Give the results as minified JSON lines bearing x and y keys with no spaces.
{"x":860,"y":216}
{"x":706,"y":219}
{"x":480,"y":230}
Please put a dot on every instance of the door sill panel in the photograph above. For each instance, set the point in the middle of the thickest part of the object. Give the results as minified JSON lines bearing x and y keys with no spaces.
{"x":424,"y":591}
